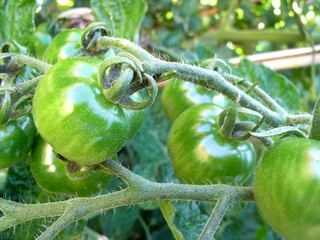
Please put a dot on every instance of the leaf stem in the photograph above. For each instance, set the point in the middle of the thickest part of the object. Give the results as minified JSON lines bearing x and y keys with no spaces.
{"x":215,"y":218}
{"x":33,"y":62}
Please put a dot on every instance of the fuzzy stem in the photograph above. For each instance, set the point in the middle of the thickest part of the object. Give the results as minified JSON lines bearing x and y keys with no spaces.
{"x":126,"y":45}
{"x":213,"y":80}
{"x":33,"y":62}
{"x":215,"y":218}
{"x":143,"y":191}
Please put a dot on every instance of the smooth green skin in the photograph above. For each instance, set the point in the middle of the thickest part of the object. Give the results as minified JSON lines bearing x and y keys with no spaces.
{"x":50,"y":174}
{"x":200,"y":155}
{"x":73,"y":116}
{"x":179,"y":95}
{"x":42,"y":39}
{"x":287,"y":188}
{"x":16,"y":139}
{"x":63,"y":45}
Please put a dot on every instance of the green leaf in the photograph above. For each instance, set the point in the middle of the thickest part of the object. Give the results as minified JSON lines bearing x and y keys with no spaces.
{"x":315,"y":128}
{"x":168,"y":211}
{"x":17,"y":21}
{"x":277,"y":86}
{"x":127,"y":15}
{"x":149,"y":147}
{"x":119,"y":223}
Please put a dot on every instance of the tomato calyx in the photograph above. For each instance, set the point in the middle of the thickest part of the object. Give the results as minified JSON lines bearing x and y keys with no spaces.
{"x":90,"y":36}
{"x":116,"y":76}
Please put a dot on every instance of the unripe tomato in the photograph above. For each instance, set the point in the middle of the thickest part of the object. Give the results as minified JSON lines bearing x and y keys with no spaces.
{"x":287,"y":188}
{"x":74,"y":117}
{"x":42,"y":39}
{"x":16,"y":139}
{"x":179,"y":95}
{"x":63,"y":45}
{"x":200,"y":155}
{"x":50,"y":174}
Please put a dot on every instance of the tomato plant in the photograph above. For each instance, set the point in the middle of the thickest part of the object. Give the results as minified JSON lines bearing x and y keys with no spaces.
{"x":179,"y":95}
{"x":199,"y":155}
{"x":73,"y":116}
{"x":286,"y":187}
{"x":16,"y":140}
{"x":50,"y":173}
{"x":63,"y":45}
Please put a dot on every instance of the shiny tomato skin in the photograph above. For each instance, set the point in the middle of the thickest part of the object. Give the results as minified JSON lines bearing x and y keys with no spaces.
{"x":200,"y":155}
{"x":50,"y":174}
{"x":73,"y":116}
{"x":179,"y":95}
{"x":63,"y":45}
{"x":16,"y":139}
{"x":287,"y":188}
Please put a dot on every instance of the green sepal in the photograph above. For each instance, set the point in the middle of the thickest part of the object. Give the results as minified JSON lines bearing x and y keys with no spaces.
{"x":315,"y":126}
{"x":227,"y":122}
{"x":128,"y":103}
{"x":5,"y":110}
{"x":90,"y":36}
{"x":280,"y":131}
{"x":75,"y":170}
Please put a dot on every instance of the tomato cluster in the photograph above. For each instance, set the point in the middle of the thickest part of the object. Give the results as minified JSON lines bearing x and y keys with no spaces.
{"x":79,"y":126}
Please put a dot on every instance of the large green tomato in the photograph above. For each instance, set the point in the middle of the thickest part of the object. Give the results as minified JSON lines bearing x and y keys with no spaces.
{"x":16,"y":139}
{"x":287,"y":188}
{"x":73,"y":116}
{"x":50,"y":174}
{"x":200,"y":155}
{"x":179,"y":95}
{"x":63,"y":45}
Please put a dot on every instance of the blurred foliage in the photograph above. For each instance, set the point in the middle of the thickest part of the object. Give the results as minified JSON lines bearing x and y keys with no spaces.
{"x":175,"y":30}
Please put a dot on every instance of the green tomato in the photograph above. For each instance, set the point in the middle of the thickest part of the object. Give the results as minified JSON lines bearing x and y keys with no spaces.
{"x":16,"y":139}
{"x":179,"y":95}
{"x":200,"y":155}
{"x":42,"y":39}
{"x":287,"y":188}
{"x":73,"y":116}
{"x":50,"y":174}
{"x":63,"y":45}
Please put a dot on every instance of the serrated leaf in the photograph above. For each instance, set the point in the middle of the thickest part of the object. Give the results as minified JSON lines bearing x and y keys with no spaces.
{"x":119,"y":223}
{"x":190,"y":218}
{"x":17,"y":21}
{"x":151,"y":159}
{"x":277,"y":86}
{"x":127,"y":15}
{"x":315,"y":127}
{"x":168,"y":211}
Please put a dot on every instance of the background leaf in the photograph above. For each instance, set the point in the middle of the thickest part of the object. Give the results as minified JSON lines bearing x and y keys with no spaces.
{"x":168,"y":211}
{"x":127,"y":15}
{"x":17,"y":21}
{"x":275,"y":84}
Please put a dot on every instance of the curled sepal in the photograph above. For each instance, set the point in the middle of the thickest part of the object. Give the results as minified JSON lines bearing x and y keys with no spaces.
{"x":127,"y":102}
{"x":228,"y":118}
{"x":241,"y":131}
{"x":286,"y":130}
{"x":5,"y":109}
{"x":75,"y":170}
{"x":315,"y":126}
{"x":115,"y":75}
{"x":90,"y":35}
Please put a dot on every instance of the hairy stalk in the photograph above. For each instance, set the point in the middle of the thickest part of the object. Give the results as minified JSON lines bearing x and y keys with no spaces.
{"x":215,"y":218}
{"x":213,"y":80}
{"x":33,"y":62}
{"x":143,"y":191}
{"x":269,"y":101}
{"x":126,"y":45}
